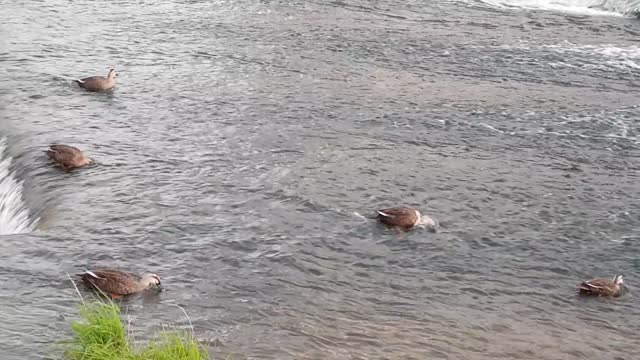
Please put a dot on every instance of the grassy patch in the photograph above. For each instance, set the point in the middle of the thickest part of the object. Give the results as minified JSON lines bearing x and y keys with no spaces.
{"x":101,"y":335}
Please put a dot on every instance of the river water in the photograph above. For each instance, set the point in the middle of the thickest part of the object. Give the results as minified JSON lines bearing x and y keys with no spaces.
{"x":248,"y":142}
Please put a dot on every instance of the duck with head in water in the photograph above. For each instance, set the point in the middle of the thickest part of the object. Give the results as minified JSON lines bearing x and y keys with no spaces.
{"x":406,"y":218}
{"x":602,"y":287}
{"x":67,"y":157}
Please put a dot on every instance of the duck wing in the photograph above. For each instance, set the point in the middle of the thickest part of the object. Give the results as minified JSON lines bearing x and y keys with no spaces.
{"x":398,"y":216}
{"x":111,"y":281}
{"x":93,"y":83}
{"x":92,"y":78}
{"x":63,"y":153}
{"x":64,"y":149}
{"x":597,"y":287}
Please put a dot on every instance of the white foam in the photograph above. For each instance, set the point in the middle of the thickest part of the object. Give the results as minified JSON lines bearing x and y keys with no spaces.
{"x":14,"y":215}
{"x":608,"y":56}
{"x":491,"y":128}
{"x":360,"y":216}
{"x":613,"y":56}
{"x":584,"y":7}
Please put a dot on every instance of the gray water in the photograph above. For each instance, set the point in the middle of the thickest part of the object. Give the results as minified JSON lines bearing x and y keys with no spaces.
{"x":248,"y":142}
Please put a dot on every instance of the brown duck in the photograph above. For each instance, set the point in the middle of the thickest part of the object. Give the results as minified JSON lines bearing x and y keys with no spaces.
{"x":406,"y":218}
{"x":118,"y":283}
{"x":602,"y":287}
{"x":99,"y":83}
{"x":67,"y":157}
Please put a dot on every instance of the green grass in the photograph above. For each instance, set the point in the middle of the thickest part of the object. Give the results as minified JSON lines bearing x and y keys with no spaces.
{"x":101,"y":335}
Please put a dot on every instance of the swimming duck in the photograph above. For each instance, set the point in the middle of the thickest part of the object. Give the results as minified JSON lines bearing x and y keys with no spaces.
{"x":67,"y":157}
{"x":602,"y":287}
{"x":406,"y":218}
{"x":99,"y":83}
{"x":118,"y":283}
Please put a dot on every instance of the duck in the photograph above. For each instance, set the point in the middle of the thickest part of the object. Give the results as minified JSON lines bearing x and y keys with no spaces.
{"x":67,"y":157}
{"x":98,"y":83}
{"x":406,"y":218}
{"x":602,"y":287}
{"x":117,"y":283}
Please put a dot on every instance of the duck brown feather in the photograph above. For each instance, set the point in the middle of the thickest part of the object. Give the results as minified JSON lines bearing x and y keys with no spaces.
{"x":599,"y":287}
{"x":68,"y":157}
{"x":404,"y":217}
{"x":98,"y":83}
{"x":113,"y":282}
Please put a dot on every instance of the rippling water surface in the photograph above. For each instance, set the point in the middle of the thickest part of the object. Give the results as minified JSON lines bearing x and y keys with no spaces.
{"x":247,"y":142}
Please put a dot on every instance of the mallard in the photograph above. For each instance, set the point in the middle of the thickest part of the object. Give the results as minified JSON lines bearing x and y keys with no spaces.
{"x":118,"y":283}
{"x":406,"y":218}
{"x":99,"y":83}
{"x":602,"y":287}
{"x":67,"y":157}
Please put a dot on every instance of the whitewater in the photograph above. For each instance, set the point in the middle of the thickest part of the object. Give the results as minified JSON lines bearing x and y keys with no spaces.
{"x":585,"y":7}
{"x":14,"y":214}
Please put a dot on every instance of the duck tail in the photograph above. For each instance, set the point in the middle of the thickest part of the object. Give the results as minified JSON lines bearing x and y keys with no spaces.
{"x":79,"y":82}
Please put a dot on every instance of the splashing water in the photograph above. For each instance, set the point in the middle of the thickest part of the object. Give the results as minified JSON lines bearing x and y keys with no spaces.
{"x":586,"y":7}
{"x":14,"y":216}
{"x":625,"y":7}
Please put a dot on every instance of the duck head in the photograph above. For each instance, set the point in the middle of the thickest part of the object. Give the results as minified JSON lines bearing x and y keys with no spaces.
{"x":151,"y":280}
{"x":112,"y":74}
{"x":428,"y":222}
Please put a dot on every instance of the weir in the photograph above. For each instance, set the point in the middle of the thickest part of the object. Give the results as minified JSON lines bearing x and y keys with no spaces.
{"x":586,"y":7}
{"x":14,"y":214}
